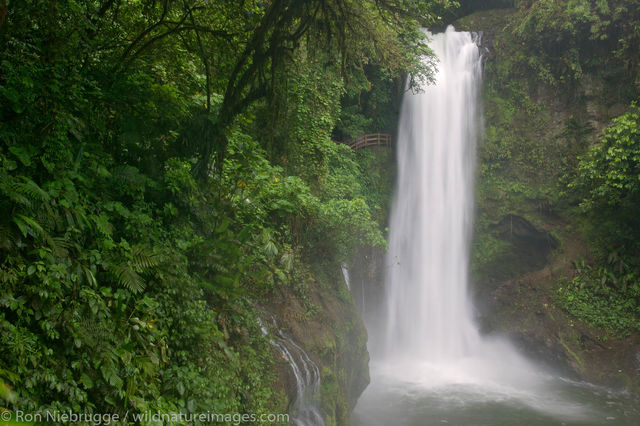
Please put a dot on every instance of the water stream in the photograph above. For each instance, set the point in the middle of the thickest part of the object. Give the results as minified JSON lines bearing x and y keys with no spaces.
{"x":345,"y":275}
{"x":305,"y":410}
{"x":430,"y":365}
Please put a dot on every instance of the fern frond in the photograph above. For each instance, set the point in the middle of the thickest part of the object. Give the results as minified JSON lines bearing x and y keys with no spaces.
{"x":102,"y":224}
{"x":8,"y":238}
{"x":32,"y":190}
{"x":91,"y":332}
{"x":143,"y":259}
{"x":91,"y":279}
{"x":28,"y":226}
{"x":13,"y":190}
{"x":63,"y":243}
{"x":60,"y":246}
{"x":23,"y":191}
{"x":127,"y":278}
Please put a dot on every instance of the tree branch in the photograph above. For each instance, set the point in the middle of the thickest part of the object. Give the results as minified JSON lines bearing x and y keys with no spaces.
{"x":150,"y":42}
{"x":205,"y":60}
{"x":143,"y":34}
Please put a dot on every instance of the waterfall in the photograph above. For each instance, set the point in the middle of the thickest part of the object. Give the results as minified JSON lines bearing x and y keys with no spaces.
{"x":430,"y":365}
{"x":428,"y":312}
{"x":304,"y":410}
{"x":345,"y":275}
{"x":430,"y":336}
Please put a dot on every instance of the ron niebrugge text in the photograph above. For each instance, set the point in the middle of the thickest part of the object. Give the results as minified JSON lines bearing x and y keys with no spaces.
{"x":68,"y":417}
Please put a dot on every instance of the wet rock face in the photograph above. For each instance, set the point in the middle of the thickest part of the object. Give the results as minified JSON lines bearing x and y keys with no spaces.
{"x":541,"y":345}
{"x":334,"y":338}
{"x":531,"y":245}
{"x":524,"y":248}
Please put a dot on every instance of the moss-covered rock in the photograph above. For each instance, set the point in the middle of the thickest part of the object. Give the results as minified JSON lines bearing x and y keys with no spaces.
{"x":323,"y":319}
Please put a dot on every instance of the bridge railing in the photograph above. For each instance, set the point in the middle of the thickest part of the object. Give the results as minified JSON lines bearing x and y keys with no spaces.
{"x":371,"y":139}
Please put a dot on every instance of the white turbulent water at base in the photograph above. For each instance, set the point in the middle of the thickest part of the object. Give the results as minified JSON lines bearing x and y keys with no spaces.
{"x":431,"y":344}
{"x":304,"y":410}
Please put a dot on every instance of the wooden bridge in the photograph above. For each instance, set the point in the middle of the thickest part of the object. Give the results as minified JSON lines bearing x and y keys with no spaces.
{"x":371,"y":139}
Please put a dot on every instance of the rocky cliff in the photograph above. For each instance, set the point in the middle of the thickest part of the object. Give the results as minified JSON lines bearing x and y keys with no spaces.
{"x":529,"y":233}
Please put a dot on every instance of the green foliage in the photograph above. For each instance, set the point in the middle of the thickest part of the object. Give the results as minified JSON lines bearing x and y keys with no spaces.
{"x":130,"y":277}
{"x":522,"y":158}
{"x":566,"y":38}
{"x":607,"y":296}
{"x":607,"y":181}
{"x":378,"y":167}
{"x":525,"y":149}
{"x":607,"y":293}
{"x":93,"y":322}
{"x":610,"y":171}
{"x":488,"y":255}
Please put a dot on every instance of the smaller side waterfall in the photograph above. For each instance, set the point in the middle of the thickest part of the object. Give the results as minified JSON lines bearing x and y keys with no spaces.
{"x":345,"y":274}
{"x":305,"y":410}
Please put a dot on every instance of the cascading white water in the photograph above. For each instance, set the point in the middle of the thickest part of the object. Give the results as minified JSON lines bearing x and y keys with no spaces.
{"x":430,"y":334}
{"x":305,"y":410}
{"x":345,"y":275}
{"x":429,"y":358}
{"x":428,"y":314}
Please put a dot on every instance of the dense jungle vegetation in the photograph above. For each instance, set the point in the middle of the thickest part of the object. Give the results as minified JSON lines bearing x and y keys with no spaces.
{"x":167,"y":165}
